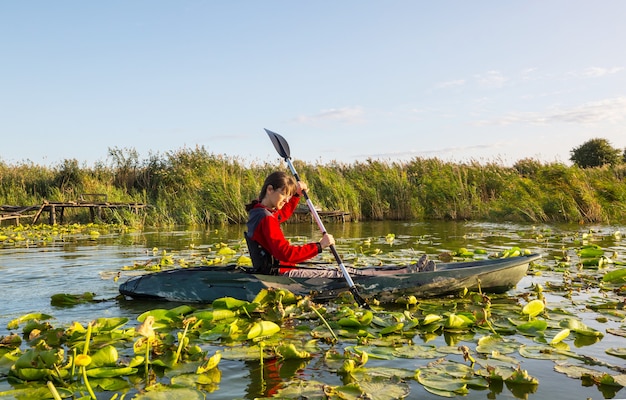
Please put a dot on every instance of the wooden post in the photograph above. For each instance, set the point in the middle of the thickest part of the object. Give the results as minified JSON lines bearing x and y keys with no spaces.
{"x":53,"y":215}
{"x":36,"y":217}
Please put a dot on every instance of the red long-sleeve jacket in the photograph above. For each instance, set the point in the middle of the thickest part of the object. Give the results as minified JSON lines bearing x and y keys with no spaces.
{"x":270,"y":236}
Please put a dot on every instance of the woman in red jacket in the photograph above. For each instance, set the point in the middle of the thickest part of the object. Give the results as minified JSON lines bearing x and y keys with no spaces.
{"x":270,"y":252}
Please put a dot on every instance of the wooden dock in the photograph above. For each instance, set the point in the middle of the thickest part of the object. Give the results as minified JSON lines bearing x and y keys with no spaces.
{"x":302,"y":214}
{"x":15,"y":213}
{"x":96,"y":203}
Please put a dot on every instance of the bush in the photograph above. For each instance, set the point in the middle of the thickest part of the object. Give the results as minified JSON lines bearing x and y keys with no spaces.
{"x":595,"y":153}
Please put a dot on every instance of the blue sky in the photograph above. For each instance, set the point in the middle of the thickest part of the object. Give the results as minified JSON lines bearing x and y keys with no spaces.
{"x":486,"y":81}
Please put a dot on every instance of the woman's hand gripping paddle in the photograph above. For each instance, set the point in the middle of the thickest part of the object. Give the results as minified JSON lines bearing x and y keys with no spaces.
{"x":282,"y":147}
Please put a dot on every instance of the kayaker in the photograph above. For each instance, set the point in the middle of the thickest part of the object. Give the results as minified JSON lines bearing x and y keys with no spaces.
{"x":270,"y":252}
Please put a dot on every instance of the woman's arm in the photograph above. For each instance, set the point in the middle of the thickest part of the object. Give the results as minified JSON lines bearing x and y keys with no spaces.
{"x":269,"y":235}
{"x":285,"y":213}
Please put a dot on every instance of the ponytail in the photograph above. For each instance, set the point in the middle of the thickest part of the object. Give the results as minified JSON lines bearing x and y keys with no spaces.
{"x":251,"y":205}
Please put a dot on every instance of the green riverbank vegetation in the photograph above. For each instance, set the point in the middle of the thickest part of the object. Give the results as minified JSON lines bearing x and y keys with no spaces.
{"x":195,"y":187}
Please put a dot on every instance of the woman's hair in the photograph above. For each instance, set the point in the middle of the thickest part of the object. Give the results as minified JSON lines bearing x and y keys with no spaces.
{"x":278,"y":180}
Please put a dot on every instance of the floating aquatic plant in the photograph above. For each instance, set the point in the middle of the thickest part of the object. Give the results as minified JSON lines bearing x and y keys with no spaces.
{"x":475,"y":339}
{"x":233,"y":323}
{"x":533,"y":308}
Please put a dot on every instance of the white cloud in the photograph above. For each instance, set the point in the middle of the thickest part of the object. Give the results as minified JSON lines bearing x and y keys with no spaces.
{"x":496,"y":79}
{"x":345,"y":114}
{"x":529,"y":73}
{"x":431,"y":153}
{"x":597,"y":72}
{"x":607,"y":110}
{"x":453,"y":83}
{"x":491,"y":79}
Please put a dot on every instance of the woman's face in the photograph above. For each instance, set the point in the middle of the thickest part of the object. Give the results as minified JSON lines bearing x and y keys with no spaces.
{"x":277,"y":198}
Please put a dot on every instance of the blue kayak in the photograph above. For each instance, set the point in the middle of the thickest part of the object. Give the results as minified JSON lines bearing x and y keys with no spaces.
{"x":385,"y":284}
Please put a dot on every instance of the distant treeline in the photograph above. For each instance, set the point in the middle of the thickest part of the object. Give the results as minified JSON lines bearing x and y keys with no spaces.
{"x":194,"y":186}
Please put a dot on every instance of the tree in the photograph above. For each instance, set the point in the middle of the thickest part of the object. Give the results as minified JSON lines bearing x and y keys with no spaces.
{"x":595,"y":153}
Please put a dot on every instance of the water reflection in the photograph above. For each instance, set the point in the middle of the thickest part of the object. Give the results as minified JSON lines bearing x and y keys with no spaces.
{"x":267,"y":381}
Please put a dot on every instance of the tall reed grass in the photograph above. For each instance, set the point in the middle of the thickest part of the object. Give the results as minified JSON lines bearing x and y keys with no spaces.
{"x":193,"y":187}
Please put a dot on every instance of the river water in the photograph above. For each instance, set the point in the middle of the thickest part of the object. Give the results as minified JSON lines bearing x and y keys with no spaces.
{"x":31,"y":274}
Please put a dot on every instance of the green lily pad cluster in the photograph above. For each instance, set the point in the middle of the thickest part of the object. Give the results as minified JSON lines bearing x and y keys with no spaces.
{"x":109,"y":356}
{"x":45,"y":235}
{"x":454,"y":346}
{"x":178,"y":351}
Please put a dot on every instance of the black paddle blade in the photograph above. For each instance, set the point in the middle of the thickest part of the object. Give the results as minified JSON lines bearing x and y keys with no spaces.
{"x":360,"y":300}
{"x":281,"y":145}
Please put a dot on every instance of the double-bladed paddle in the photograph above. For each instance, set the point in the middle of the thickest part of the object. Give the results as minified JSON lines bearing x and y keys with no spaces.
{"x":282,"y":147}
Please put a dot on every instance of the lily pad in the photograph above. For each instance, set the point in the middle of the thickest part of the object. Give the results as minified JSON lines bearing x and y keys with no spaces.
{"x":431,"y":318}
{"x":209,"y":380}
{"x":392,"y":328}
{"x":382,"y":372}
{"x":590,"y":251}
{"x":534,"y":308}
{"x":579,"y":327}
{"x":171,"y":393}
{"x":108,"y":324}
{"x":215,"y":315}
{"x":521,"y":377}
{"x":449,"y":350}
{"x":349,"y":322}
{"x":311,"y":390}
{"x":14,"y":324}
{"x":440,"y":383}
{"x":35,"y":393}
{"x":534,"y":327}
{"x":247,"y":353}
{"x":560,"y":336}
{"x":424,"y":352}
{"x":210,"y":363}
{"x":110,"y":384}
{"x":541,"y":353}
{"x":384,"y":390}
{"x":490,"y":344}
{"x":576,"y":371}
{"x":68,"y":300}
{"x":162,"y":317}
{"x":459,"y":321}
{"x":105,"y":357}
{"x":620,"y":379}
{"x":40,"y":358}
{"x":289,"y":351}
{"x":617,"y":352}
{"x":497,"y":367}
{"x":110,"y":372}
{"x":263,"y":328}
{"x":228,"y":303}
{"x":616,"y":276}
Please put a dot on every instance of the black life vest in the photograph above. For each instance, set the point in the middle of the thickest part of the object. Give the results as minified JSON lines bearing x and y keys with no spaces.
{"x":262,"y":261}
